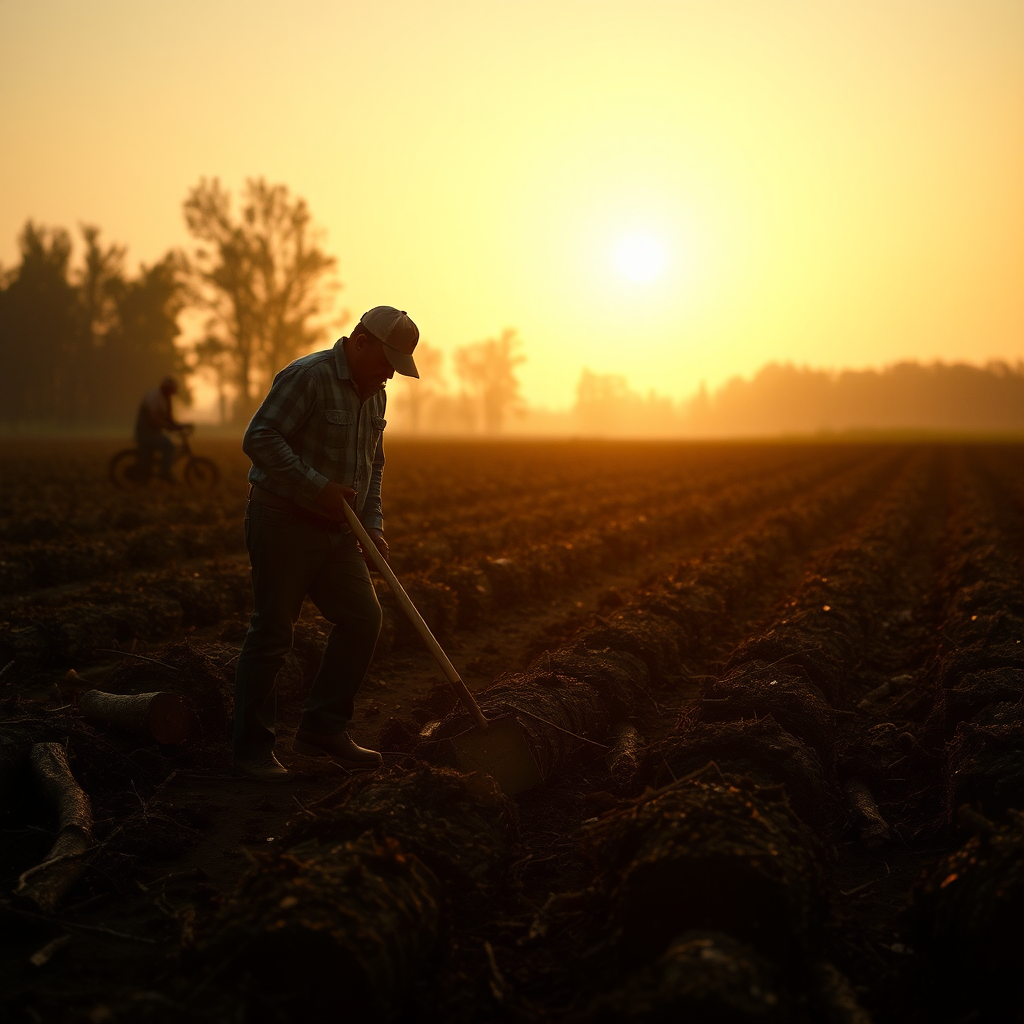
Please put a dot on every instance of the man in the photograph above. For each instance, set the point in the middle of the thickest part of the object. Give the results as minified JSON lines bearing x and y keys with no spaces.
{"x":153,"y":418}
{"x":315,"y":444}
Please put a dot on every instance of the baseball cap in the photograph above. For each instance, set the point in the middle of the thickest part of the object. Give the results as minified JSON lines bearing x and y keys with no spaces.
{"x":398,"y":334}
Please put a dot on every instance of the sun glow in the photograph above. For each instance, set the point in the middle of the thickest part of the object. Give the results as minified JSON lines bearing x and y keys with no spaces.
{"x":640,"y":257}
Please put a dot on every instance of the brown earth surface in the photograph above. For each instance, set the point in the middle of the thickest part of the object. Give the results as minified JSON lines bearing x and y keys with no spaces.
{"x":775,"y":691}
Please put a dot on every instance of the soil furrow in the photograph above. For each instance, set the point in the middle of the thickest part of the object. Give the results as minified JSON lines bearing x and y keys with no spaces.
{"x":785,"y":784}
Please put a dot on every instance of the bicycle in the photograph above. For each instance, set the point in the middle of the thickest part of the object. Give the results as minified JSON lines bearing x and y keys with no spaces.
{"x":130,"y":470}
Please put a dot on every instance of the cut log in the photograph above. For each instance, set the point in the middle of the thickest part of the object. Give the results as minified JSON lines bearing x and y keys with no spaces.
{"x":874,"y":830}
{"x":623,"y":759}
{"x":161,"y":716}
{"x":185,"y":668}
{"x":47,"y":883}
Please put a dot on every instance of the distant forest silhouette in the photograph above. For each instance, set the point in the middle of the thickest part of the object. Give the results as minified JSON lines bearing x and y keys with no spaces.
{"x":80,"y":344}
{"x":903,"y":396}
{"x":779,"y":399}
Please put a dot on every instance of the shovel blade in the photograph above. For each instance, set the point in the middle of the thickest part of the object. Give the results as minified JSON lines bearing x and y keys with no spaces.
{"x":500,"y":751}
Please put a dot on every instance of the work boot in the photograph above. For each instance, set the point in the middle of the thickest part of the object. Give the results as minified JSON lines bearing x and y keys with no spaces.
{"x":341,"y":749}
{"x":265,"y":768}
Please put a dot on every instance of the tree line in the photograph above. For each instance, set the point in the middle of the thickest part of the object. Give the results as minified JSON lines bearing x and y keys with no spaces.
{"x":81,"y":342}
{"x":787,"y":399}
{"x":782,"y":398}
{"x":778,"y":399}
{"x":79,"y":345}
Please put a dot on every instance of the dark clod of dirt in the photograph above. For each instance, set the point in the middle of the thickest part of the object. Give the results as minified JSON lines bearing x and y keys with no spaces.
{"x":398,"y":735}
{"x":566,"y":702}
{"x":757,"y":691}
{"x":462,"y":827}
{"x":803,"y":644}
{"x":323,"y":925}
{"x":966,"y":920}
{"x":983,"y":654}
{"x":618,"y":676}
{"x":652,"y":638}
{"x":702,"y":976}
{"x":352,"y":907}
{"x":716,"y":856}
{"x":759,"y":749}
{"x":975,"y":692}
{"x":986,"y":766}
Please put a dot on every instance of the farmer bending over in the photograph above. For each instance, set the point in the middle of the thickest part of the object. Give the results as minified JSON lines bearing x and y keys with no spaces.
{"x":316,"y":443}
{"x":154,"y":417}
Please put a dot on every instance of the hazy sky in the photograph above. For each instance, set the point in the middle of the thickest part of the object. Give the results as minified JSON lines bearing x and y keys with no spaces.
{"x":836,"y":183}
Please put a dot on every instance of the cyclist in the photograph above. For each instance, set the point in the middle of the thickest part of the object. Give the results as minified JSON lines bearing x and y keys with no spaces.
{"x":153,"y":419}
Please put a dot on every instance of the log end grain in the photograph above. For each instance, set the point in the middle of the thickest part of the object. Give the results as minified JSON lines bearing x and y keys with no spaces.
{"x":168,"y":719}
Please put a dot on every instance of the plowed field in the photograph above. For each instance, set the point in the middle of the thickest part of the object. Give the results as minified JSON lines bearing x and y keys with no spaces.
{"x":775,"y":691}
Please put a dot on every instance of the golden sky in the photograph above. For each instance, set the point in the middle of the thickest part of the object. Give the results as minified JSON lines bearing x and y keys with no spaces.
{"x":675,"y":191}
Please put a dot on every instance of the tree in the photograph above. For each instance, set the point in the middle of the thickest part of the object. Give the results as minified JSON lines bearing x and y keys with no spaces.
{"x":487,"y":372}
{"x":81,"y":345}
{"x":100,"y":283}
{"x":606,"y":404}
{"x":600,"y":401}
{"x":140,"y":346}
{"x":40,"y":329}
{"x":263,"y":278}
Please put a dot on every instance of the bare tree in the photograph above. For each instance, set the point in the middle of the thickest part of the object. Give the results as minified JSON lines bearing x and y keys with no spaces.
{"x":101,"y":283}
{"x":263,"y":277}
{"x":487,"y":370}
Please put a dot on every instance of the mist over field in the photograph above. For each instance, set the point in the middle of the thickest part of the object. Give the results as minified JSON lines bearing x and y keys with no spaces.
{"x":779,"y":399}
{"x":81,"y":341}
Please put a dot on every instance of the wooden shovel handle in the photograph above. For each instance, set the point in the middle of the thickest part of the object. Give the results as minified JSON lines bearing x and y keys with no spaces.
{"x":414,"y":616}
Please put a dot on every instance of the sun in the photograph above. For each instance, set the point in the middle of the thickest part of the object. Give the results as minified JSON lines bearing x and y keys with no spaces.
{"x":640,"y":257}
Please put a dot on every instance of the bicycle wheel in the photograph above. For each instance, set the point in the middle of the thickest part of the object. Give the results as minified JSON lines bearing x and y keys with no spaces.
{"x":201,"y":474}
{"x":127,"y":471}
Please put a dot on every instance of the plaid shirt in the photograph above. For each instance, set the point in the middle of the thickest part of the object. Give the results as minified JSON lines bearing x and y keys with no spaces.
{"x":312,"y":429}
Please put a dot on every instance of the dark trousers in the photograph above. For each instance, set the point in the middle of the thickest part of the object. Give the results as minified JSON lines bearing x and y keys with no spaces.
{"x":150,"y":441}
{"x":290,"y":559}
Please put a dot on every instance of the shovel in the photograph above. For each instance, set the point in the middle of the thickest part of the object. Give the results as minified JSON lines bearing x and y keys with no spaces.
{"x":497,"y":746}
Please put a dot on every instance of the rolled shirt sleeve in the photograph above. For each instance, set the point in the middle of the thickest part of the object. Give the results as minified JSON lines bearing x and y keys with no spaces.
{"x":286,"y":408}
